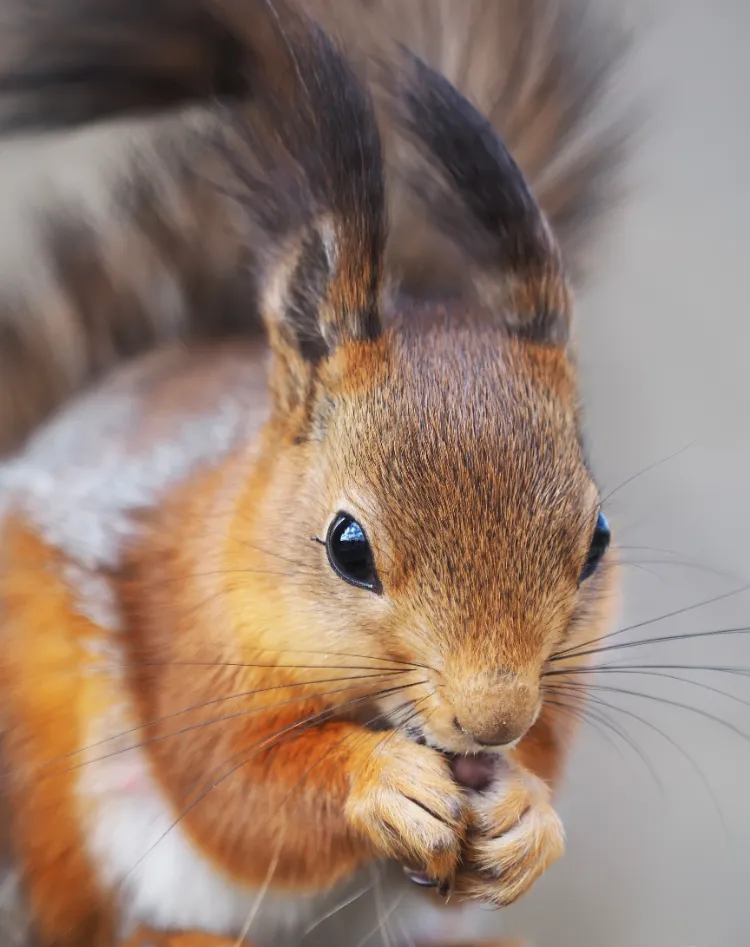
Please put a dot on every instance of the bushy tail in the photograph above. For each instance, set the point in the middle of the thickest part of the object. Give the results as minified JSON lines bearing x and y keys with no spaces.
{"x":285,"y":135}
{"x":178,"y":263}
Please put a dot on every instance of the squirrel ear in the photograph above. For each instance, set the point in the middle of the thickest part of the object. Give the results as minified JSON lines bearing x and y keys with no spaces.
{"x":309,"y":300}
{"x":307,"y":168}
{"x":311,"y":305}
{"x":475,"y":193}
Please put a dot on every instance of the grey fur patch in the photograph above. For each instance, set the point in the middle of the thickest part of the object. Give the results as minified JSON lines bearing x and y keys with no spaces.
{"x":15,"y":930}
{"x":80,"y":480}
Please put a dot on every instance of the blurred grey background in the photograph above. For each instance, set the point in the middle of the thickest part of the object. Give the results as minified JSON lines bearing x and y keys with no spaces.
{"x":659,"y":829}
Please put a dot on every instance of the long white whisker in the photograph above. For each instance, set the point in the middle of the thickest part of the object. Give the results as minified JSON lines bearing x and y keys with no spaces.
{"x":262,"y":893}
{"x":342,"y":905}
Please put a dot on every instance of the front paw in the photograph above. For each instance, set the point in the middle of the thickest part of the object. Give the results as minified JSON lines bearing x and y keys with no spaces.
{"x":514,"y":836}
{"x":405,"y":800}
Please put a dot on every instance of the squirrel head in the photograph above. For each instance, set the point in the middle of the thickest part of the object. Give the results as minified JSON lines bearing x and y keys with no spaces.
{"x":440,"y":511}
{"x":422,"y":474}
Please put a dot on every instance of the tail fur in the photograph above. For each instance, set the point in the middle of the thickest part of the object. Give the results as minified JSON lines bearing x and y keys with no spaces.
{"x":181,"y":258}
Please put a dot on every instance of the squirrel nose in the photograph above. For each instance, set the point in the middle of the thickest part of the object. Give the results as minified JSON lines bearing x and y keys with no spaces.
{"x":496,"y":734}
{"x":494,"y":708}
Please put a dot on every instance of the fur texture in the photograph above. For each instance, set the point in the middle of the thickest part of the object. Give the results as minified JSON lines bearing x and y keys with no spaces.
{"x":175,"y":259}
{"x":163,"y":539}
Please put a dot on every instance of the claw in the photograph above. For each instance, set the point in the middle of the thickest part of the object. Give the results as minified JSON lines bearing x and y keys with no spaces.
{"x":420,"y":878}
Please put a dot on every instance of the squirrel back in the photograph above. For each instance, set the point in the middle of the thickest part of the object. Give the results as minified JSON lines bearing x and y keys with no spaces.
{"x":175,"y":262}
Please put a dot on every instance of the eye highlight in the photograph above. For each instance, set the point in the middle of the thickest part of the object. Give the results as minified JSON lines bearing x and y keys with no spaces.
{"x":349,"y":553}
{"x":599,"y":545}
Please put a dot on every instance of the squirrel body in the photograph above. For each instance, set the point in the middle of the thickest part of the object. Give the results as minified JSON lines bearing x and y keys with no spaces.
{"x":210,"y":701}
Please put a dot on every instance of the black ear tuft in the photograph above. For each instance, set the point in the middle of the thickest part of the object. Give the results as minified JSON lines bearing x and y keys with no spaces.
{"x":307,"y":159}
{"x":459,"y":167}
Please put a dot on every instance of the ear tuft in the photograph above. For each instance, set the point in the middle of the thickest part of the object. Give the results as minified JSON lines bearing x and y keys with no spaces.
{"x":459,"y":168}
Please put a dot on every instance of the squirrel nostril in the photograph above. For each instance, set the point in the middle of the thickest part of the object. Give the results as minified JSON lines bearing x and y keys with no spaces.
{"x":497,"y":735}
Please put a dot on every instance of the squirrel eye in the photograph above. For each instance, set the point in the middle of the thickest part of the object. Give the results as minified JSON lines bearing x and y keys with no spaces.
{"x":599,"y":544}
{"x":350,"y":554}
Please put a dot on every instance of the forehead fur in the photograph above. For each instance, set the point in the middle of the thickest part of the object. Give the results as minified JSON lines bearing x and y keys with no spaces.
{"x":463,"y":443}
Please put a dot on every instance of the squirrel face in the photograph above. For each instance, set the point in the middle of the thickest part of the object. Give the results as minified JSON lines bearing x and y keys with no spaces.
{"x":442,"y":445}
{"x":443,"y":514}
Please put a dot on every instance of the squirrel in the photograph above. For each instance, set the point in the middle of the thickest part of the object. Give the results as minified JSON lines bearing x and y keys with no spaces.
{"x":295,"y":510}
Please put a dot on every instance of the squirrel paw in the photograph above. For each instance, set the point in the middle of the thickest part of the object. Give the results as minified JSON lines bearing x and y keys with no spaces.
{"x":514,"y":836}
{"x":405,"y":800}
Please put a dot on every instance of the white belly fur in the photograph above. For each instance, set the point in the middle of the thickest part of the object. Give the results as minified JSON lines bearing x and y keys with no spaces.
{"x":158,"y":876}
{"x":163,"y":881}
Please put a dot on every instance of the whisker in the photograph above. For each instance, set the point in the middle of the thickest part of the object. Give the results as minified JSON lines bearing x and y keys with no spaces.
{"x":161,"y":737}
{"x":266,"y":745}
{"x":343,"y":654}
{"x":293,"y":731}
{"x":382,"y":914}
{"x":583,"y":715}
{"x":341,"y":906}
{"x":262,"y":892}
{"x":601,"y":500}
{"x":648,"y":672}
{"x":605,"y":721}
{"x":678,"y":563}
{"x":624,"y":735}
{"x":239,"y":571}
{"x":674,"y":703}
{"x":652,"y":621}
{"x":645,"y":470}
{"x":660,"y":639}
{"x":247,"y":664}
{"x":268,"y":552}
{"x":396,"y":902}
{"x":678,"y":560}
{"x":596,"y":668}
{"x":269,"y":743}
{"x":405,"y":938}
{"x":327,"y":652}
{"x":404,"y":667}
{"x":641,"y":568}
{"x":680,"y":749}
{"x":362,"y":737}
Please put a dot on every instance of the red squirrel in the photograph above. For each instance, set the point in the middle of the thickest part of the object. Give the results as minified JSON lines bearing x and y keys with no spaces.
{"x":295,"y":510}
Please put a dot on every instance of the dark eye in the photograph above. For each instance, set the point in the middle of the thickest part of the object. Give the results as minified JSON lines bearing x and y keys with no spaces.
{"x":349,"y":553}
{"x":599,"y":543}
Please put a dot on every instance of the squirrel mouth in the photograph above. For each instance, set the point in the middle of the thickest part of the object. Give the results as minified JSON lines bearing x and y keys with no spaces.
{"x":472,"y":771}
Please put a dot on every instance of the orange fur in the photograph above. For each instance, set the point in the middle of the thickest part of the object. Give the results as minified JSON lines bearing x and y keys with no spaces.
{"x":46,"y":711}
{"x":144,"y":938}
{"x":167,"y":590}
